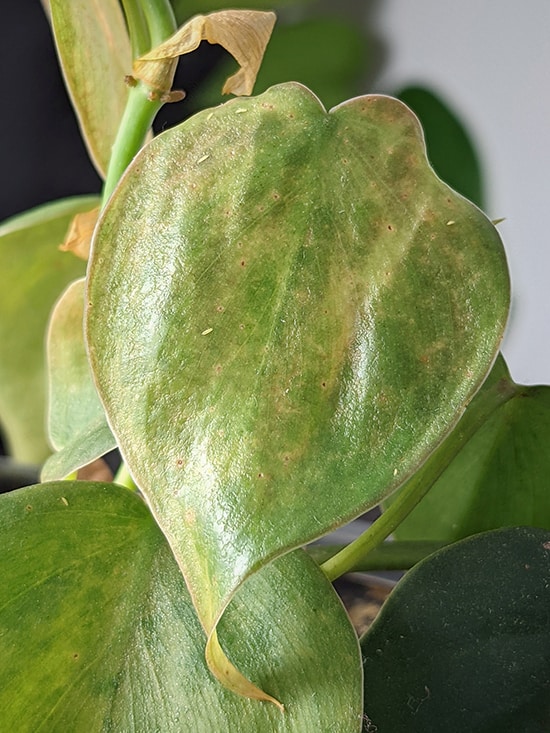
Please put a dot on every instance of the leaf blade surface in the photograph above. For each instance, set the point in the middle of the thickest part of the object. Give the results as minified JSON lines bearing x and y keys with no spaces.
{"x":315,"y":309}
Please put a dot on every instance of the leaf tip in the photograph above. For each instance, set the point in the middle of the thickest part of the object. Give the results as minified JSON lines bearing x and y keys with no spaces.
{"x":230,"y":677}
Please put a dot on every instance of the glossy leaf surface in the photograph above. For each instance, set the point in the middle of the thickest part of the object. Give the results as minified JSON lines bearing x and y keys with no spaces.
{"x":33,"y":272}
{"x":94,"y":52}
{"x":500,"y":478}
{"x":75,"y":415}
{"x":463,"y":642}
{"x":98,"y":633}
{"x":287,"y":311}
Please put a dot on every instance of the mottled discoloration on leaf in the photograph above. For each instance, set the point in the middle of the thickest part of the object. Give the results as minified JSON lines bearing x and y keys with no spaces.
{"x":348,"y":325}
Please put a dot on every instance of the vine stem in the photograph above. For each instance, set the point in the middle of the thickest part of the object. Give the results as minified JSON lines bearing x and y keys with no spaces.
{"x":137,"y":27}
{"x":387,"y":556}
{"x":421,"y":482}
{"x":156,"y":19}
{"x":137,"y":119}
{"x":123,"y":478}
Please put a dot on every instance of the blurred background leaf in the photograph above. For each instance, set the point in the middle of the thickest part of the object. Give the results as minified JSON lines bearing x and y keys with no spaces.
{"x":33,"y":271}
{"x":451,"y":150}
{"x":327,"y":55}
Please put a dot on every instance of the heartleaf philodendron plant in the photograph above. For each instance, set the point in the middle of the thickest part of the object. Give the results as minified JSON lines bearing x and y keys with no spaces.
{"x":286,"y":319}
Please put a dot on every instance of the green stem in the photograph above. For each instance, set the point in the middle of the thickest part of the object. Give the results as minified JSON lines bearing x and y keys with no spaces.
{"x":137,"y":27}
{"x":421,"y":482}
{"x":160,"y":20}
{"x":387,"y":556}
{"x":123,"y":478}
{"x":140,"y":110}
{"x":136,"y":121}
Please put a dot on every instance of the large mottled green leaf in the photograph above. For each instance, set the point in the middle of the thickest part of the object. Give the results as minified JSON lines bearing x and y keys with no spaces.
{"x":98,"y":633}
{"x":463,"y":642}
{"x":94,"y":52}
{"x":500,"y":478}
{"x":76,"y":420}
{"x":287,"y":311}
{"x":327,"y":55}
{"x":33,"y":272}
{"x":450,"y":147}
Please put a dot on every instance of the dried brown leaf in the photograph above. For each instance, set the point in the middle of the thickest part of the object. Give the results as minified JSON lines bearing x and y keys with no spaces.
{"x":243,"y":33}
{"x":79,"y":235}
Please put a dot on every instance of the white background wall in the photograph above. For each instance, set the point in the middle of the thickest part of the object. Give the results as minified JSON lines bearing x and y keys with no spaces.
{"x":490,"y":59}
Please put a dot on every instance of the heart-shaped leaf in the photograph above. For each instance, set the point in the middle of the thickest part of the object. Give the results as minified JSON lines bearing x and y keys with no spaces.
{"x":94,"y":52}
{"x":97,"y":630}
{"x":463,"y":642}
{"x":287,"y":311}
{"x":33,"y":272}
{"x":75,"y":413}
{"x":500,"y":478}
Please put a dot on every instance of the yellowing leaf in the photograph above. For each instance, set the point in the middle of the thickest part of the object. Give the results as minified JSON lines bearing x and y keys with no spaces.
{"x":94,"y":52}
{"x":79,"y":236}
{"x":229,"y":675}
{"x":244,"y":33}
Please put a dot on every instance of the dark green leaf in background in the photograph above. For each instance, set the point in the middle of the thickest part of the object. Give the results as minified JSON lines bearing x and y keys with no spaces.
{"x":287,"y":312}
{"x":98,"y":633}
{"x":451,"y":150}
{"x":327,"y":55}
{"x":463,"y":642}
{"x":33,"y":273}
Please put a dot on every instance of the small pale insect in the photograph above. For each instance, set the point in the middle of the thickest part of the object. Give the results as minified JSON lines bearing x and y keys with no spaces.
{"x":207,"y":331}
{"x":64,"y":501}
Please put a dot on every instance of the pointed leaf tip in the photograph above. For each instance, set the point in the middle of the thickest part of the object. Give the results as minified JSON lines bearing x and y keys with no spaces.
{"x":230,"y":677}
{"x":243,"y":33}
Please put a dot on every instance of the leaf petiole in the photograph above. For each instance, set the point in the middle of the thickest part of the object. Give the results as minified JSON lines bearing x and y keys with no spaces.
{"x":421,"y":482}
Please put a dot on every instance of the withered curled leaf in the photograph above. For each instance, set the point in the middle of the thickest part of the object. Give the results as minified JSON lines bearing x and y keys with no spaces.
{"x":243,"y":33}
{"x":79,"y":235}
